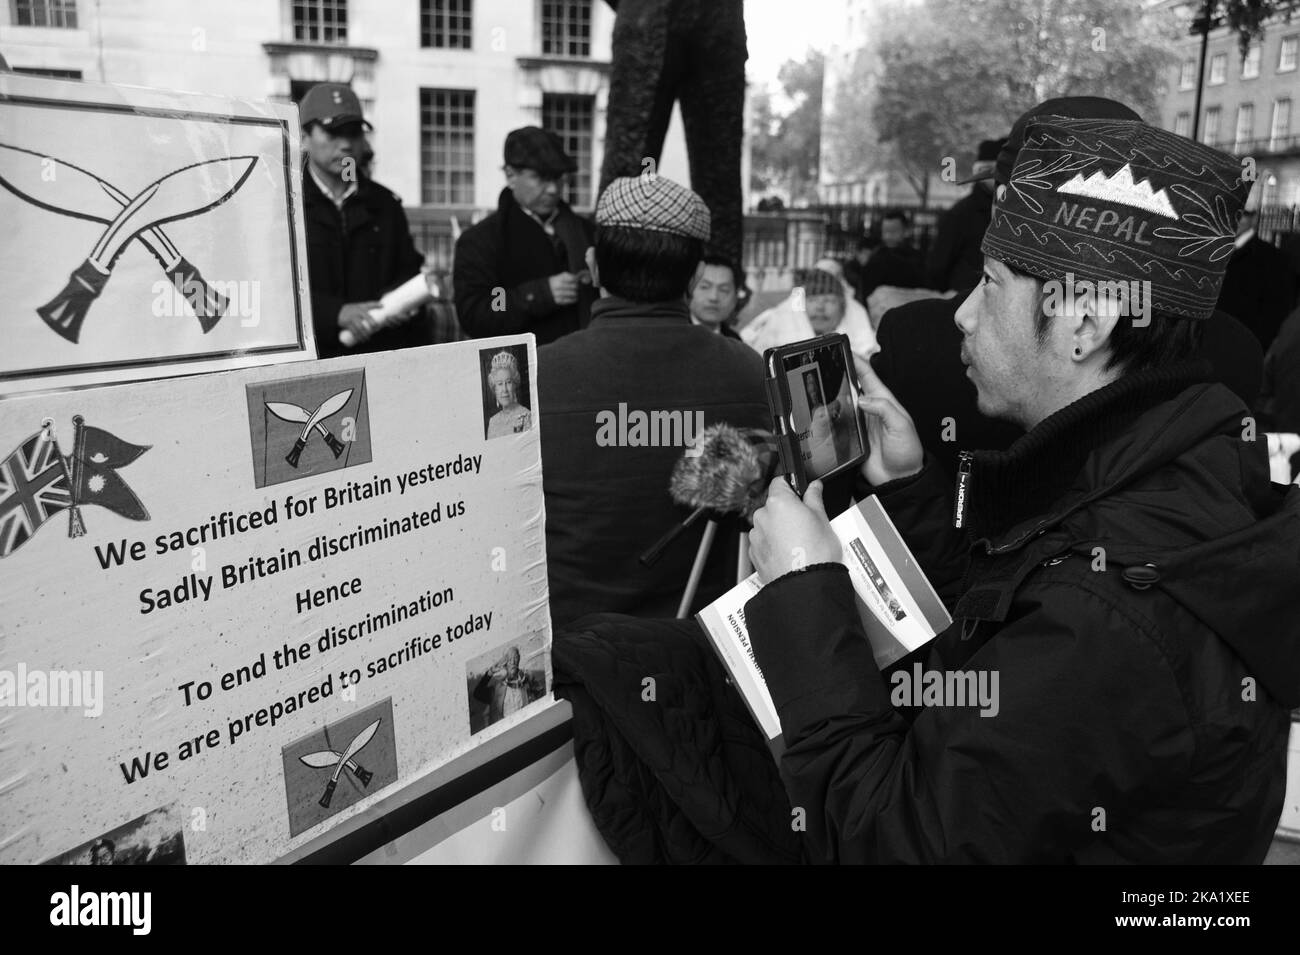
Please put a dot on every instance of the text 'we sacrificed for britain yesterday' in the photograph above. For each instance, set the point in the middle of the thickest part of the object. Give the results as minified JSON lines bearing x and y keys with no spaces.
{"x":200,"y":584}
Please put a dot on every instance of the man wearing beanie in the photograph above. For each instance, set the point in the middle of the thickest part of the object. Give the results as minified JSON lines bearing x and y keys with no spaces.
{"x":1122,"y":577}
{"x":620,"y":402}
{"x":521,"y":269}
{"x":955,"y":260}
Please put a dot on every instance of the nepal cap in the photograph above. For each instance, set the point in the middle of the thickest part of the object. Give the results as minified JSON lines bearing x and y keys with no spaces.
{"x":654,"y":204}
{"x":1108,"y":200}
{"x":539,"y":150}
{"x":332,"y":105}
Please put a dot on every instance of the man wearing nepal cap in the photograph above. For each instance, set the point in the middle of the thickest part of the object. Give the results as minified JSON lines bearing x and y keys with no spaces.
{"x":622,"y":398}
{"x":1125,"y":570}
{"x":920,"y":344}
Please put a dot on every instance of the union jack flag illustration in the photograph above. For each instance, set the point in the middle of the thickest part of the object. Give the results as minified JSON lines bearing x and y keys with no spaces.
{"x":34,"y":487}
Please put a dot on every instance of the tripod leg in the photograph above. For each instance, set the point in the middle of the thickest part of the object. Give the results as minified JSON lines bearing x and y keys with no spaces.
{"x":743,"y":565}
{"x":697,"y":570}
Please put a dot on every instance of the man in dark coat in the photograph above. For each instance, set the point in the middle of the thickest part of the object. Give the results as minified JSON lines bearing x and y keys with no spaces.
{"x":896,"y":262}
{"x":955,"y":260}
{"x":1260,"y":285}
{"x":358,"y":241}
{"x":1125,"y":572}
{"x":522,"y":268}
{"x":620,"y":401}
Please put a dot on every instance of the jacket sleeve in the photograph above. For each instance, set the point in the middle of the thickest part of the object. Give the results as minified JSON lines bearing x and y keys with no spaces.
{"x":474,"y":279}
{"x":1076,"y":714}
{"x":407,"y":258}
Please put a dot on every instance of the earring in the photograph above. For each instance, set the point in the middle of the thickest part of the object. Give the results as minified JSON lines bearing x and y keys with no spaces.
{"x":1078,"y":352}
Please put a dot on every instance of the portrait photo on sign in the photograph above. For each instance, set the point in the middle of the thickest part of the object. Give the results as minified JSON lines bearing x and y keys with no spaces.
{"x":143,"y":238}
{"x":504,"y":372}
{"x":156,"y":838}
{"x":505,"y":680}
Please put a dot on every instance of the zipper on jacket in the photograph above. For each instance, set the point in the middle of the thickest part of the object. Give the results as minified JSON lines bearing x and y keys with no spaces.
{"x":962,"y":499}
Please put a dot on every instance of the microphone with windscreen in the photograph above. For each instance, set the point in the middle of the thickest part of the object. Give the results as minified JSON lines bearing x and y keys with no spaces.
{"x":726,"y":471}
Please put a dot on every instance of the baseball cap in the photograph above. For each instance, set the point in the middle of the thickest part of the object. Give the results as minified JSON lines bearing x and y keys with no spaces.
{"x":332,"y":105}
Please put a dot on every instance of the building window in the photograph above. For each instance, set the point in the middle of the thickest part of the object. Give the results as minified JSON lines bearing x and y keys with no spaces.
{"x":446,"y":24}
{"x":1286,"y":56}
{"x":1281,"y":126}
{"x":320,"y":21}
{"x":447,"y":147}
{"x":1250,"y":65}
{"x":1187,"y":75}
{"x":1245,"y":126}
{"x":1218,"y":68}
{"x":566,"y":27}
{"x":572,"y":118}
{"x":1183,"y":124}
{"x":1210,"y":132}
{"x":46,"y":13}
{"x":52,"y":74}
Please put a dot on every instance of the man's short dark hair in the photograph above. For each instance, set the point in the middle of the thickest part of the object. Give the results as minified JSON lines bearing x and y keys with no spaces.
{"x":644,"y":266}
{"x":1167,"y":339}
{"x":722,"y":262}
{"x":896,"y":214}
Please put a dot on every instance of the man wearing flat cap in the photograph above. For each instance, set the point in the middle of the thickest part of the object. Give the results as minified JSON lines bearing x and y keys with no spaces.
{"x":358,"y":241}
{"x":955,"y":260}
{"x":522,"y":268}
{"x":1123,"y":576}
{"x":620,"y":402}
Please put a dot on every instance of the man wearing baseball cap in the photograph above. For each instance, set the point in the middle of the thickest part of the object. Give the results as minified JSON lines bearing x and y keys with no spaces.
{"x":522,"y":268}
{"x":358,"y":241}
{"x":955,"y":260}
{"x":1123,"y":576}
{"x":617,"y":402}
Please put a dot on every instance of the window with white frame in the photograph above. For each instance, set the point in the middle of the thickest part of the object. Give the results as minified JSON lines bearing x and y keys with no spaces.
{"x":1187,"y":75}
{"x":1250,"y":65}
{"x":566,"y":27}
{"x":1183,"y":124}
{"x":1286,"y":54}
{"x":1218,"y":68}
{"x":46,"y":13}
{"x":1280,"y":128}
{"x":1245,"y":126}
{"x":1210,"y":128}
{"x":446,"y":24}
{"x":447,"y":147}
{"x":320,"y":21}
{"x":572,"y":118}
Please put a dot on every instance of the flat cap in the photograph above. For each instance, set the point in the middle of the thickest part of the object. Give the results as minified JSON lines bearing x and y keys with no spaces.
{"x":532,"y":147}
{"x":655,"y":204}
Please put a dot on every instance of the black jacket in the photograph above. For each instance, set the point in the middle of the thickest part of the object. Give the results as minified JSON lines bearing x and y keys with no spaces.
{"x":356,"y":256}
{"x":501,"y":271}
{"x":901,"y":268}
{"x":955,"y":260}
{"x":1129,"y":573}
{"x":920,"y":362}
{"x":1279,"y":397}
{"x":1259,"y":288}
{"x":606,"y":480}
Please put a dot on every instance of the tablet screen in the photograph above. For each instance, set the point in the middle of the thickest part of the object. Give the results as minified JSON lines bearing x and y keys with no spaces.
{"x":823,"y":408}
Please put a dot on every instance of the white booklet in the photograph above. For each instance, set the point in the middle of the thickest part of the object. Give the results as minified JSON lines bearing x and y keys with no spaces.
{"x":899,"y":609}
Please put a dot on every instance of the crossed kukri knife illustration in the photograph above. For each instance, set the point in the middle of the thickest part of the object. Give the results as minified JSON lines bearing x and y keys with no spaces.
{"x":72,"y":191}
{"x":328,"y":757}
{"x":297,"y":415}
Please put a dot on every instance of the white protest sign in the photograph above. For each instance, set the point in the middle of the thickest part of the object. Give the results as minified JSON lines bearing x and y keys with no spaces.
{"x":293,"y":589}
{"x":147,"y":234}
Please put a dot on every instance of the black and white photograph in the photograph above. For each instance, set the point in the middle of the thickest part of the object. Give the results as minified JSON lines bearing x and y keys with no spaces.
{"x":156,"y":838}
{"x":505,"y":391}
{"x":885,"y":452}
